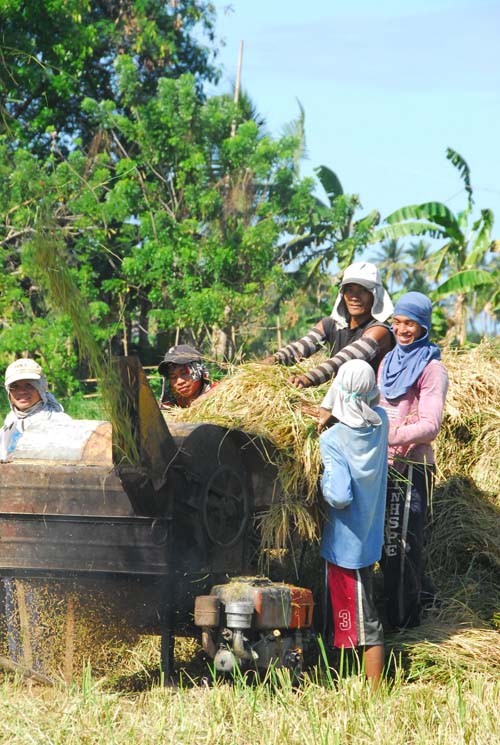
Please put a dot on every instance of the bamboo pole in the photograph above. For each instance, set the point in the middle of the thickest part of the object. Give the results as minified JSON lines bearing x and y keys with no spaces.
{"x":278,"y":332}
{"x":14,"y":667}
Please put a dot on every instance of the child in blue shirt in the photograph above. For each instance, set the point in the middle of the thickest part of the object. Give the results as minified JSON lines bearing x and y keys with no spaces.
{"x":354,"y":454}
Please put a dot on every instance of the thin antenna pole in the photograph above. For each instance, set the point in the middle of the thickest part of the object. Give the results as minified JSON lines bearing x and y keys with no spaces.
{"x":237,"y":86}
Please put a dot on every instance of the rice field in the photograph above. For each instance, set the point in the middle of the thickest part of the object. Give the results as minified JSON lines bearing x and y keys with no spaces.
{"x":443,"y":678}
{"x":271,"y":713}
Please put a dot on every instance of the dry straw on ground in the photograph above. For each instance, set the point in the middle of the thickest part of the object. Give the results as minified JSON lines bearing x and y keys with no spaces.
{"x":469,"y":441}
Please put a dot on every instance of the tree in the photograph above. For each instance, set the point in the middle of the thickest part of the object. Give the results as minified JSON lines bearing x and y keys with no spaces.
{"x":467,"y":251}
{"x":169,"y":221}
{"x":56,"y":53}
{"x":169,"y":207}
{"x":391,"y":261}
{"x":328,"y":232}
{"x":419,"y":272}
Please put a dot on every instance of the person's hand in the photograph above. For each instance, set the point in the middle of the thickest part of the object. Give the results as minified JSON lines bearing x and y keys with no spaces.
{"x":324,"y":416}
{"x":300,"y":381}
{"x":271,"y":360}
{"x":310,"y":410}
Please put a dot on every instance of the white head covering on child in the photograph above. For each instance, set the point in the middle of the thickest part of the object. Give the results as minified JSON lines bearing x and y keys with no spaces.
{"x":352,"y":394}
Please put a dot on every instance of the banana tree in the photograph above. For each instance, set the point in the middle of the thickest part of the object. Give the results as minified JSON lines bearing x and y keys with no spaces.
{"x":465,"y":263}
{"x":330,"y":231}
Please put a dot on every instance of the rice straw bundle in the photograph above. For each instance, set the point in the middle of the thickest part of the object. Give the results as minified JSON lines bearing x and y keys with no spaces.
{"x":469,"y":441}
{"x":464,"y":528}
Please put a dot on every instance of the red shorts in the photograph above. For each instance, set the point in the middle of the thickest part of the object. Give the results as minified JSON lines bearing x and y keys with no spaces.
{"x":356,"y":622}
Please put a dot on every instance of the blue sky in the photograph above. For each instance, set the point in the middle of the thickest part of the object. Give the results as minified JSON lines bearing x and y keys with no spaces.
{"x":386,"y":87}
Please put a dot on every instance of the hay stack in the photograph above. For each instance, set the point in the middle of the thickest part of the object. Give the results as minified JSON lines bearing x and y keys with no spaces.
{"x":444,"y":652}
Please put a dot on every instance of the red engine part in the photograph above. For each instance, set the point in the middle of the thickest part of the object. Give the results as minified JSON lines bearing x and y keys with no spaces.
{"x":276,"y":605}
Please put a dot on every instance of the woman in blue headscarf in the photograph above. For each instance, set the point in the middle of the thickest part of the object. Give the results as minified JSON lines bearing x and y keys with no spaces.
{"x":413,"y":384}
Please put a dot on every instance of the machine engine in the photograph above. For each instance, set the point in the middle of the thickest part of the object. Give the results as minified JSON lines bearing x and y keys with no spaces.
{"x":252,"y":622}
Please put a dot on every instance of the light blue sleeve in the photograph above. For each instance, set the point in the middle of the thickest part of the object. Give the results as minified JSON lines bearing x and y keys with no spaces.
{"x":336,"y":480}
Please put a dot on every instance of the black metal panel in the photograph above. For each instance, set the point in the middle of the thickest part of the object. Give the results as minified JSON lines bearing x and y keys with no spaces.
{"x":72,"y":543}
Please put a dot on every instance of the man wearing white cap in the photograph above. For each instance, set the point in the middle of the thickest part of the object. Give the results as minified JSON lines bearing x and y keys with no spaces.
{"x":30,"y":402}
{"x":356,"y":328}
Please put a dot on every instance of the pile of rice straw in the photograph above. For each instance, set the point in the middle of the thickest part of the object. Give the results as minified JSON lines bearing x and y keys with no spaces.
{"x":259,"y":400}
{"x":443,"y":652}
{"x":469,"y":441}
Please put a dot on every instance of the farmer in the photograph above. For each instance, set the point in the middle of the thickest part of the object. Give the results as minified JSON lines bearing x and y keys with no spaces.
{"x":31,"y":404}
{"x":355,"y":329}
{"x":413,"y":383}
{"x":31,"y":407}
{"x":354,"y":455}
{"x":185,"y":377}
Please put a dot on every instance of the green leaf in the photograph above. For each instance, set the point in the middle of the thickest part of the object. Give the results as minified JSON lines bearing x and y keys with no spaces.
{"x":401,"y":230}
{"x":368,"y":221}
{"x":329,"y":181}
{"x":463,"y":282}
{"x":481,"y":244}
{"x":463,"y":169}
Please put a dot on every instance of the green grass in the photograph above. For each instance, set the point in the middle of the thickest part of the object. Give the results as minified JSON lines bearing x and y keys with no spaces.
{"x":84,"y":408}
{"x":318,"y":712}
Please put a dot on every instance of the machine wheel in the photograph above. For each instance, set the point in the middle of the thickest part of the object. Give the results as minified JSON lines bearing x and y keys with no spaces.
{"x":225,"y":506}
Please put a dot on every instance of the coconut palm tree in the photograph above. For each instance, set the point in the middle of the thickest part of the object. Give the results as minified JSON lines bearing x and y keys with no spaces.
{"x":391,"y":261}
{"x":421,"y":257}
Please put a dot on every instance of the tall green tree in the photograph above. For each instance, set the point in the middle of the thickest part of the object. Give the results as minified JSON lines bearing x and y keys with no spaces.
{"x":171,"y":207}
{"x":56,"y":53}
{"x":467,"y":260}
{"x":172,"y":220}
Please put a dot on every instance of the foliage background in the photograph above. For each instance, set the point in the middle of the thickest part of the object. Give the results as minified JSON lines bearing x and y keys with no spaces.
{"x":175,"y":214}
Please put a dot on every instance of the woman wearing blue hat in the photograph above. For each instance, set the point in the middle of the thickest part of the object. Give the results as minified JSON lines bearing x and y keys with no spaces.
{"x":413,"y":384}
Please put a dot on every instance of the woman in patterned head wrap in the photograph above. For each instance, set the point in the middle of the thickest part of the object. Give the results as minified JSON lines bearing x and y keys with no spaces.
{"x":185,"y":377}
